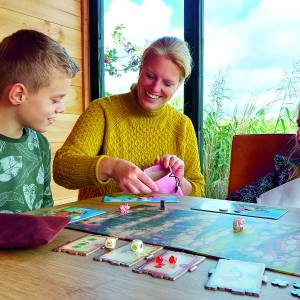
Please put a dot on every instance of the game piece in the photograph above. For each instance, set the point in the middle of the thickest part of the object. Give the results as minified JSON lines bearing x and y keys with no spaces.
{"x":280,"y":283}
{"x":245,"y":209}
{"x":238,"y":277}
{"x":172,"y":259}
{"x":162,"y":205}
{"x":159,"y":260}
{"x":296,"y":285}
{"x":124,"y":256}
{"x":295,"y":293}
{"x":124,"y":208}
{"x":82,"y":246}
{"x":140,"y":198}
{"x":137,"y":246}
{"x":238,"y":225}
{"x":74,"y":213}
{"x":110,"y":242}
{"x":157,"y":268}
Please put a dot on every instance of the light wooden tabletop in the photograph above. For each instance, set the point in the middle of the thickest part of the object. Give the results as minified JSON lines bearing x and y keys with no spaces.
{"x":43,"y":274}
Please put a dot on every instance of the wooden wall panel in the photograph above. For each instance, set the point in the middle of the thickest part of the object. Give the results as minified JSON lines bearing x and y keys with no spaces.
{"x":66,"y":12}
{"x":61,"y":129}
{"x":64,"y":22}
{"x":70,"y":38}
{"x":73,"y":100}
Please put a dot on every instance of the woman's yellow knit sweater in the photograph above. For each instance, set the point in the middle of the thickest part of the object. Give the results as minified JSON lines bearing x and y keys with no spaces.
{"x":118,"y":127}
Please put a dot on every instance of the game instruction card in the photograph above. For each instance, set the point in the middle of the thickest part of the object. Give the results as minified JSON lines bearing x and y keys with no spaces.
{"x":140,"y":198}
{"x":83,"y":246}
{"x":74,"y":213}
{"x":170,"y":265}
{"x":239,"y":208}
{"x":238,"y":277}
{"x":124,"y":256}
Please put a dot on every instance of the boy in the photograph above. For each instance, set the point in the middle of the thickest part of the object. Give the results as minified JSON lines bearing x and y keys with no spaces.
{"x":35,"y":73}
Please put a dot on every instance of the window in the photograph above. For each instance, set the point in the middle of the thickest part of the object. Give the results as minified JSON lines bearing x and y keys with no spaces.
{"x":251,"y":76}
{"x":127,"y":34}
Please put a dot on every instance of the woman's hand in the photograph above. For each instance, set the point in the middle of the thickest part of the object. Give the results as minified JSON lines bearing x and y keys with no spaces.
{"x":172,"y":161}
{"x":128,"y":176}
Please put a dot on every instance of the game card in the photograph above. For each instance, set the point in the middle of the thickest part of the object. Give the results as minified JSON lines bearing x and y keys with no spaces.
{"x":83,"y":246}
{"x":124,"y":256}
{"x":170,"y":265}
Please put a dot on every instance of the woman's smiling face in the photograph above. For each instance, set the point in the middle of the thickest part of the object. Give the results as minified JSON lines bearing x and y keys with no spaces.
{"x":158,"y":81}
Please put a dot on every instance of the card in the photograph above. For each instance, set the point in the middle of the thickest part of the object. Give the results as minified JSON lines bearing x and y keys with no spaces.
{"x":124,"y":256}
{"x":83,"y":246}
{"x":138,"y":198}
{"x":238,"y":277}
{"x":74,"y":213}
{"x":170,"y":265}
{"x":240,"y":208}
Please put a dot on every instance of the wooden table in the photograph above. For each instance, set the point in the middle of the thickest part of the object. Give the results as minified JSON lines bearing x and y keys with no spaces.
{"x":43,"y":274}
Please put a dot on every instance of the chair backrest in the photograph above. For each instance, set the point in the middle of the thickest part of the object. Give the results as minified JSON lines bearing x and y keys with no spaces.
{"x":252,"y":156}
{"x":88,"y":192}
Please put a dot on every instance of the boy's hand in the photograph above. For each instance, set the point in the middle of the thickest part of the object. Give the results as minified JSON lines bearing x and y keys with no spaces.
{"x":130,"y":178}
{"x":172,"y":161}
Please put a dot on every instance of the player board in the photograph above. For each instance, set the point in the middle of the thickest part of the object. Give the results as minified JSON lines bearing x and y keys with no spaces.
{"x":140,"y":198}
{"x":265,"y":241}
{"x":243,"y":209}
{"x":238,"y":277}
{"x":124,"y":256}
{"x":163,"y":268}
{"x":72,"y":212}
{"x":82,"y":246}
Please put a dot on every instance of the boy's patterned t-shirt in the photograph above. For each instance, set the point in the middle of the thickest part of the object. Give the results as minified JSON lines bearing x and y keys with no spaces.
{"x":25,"y":172}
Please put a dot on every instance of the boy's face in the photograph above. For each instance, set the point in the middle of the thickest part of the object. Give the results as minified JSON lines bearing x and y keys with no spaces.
{"x":40,"y":108}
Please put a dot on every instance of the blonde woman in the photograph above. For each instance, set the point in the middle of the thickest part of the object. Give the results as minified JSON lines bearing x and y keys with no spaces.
{"x":119,"y":136}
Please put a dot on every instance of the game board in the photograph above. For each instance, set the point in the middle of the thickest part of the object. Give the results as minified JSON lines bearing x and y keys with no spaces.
{"x":265,"y":241}
{"x":243,"y":209}
{"x":140,"y":198}
{"x":72,"y":212}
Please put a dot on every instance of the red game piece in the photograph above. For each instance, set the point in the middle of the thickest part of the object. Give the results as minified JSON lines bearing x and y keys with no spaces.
{"x":172,"y":259}
{"x":159,"y":259}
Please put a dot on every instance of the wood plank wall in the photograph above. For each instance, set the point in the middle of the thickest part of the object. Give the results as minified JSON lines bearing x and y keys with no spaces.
{"x":66,"y":22}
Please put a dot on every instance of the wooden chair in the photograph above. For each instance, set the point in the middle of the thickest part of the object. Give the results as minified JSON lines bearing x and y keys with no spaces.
{"x":89,"y":192}
{"x":252,"y":156}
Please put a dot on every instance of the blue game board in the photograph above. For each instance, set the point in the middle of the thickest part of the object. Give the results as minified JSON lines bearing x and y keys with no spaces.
{"x":141,"y":198}
{"x":74,"y":213}
{"x":239,"y":208}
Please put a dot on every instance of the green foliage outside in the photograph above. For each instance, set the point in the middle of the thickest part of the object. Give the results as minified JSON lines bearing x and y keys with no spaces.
{"x":219,"y":128}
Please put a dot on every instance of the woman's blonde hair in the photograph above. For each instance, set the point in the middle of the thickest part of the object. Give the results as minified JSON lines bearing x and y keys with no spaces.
{"x":172,"y":48}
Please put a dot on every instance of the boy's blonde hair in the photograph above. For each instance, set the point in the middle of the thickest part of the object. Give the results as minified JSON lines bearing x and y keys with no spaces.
{"x":172,"y":48}
{"x":29,"y":57}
